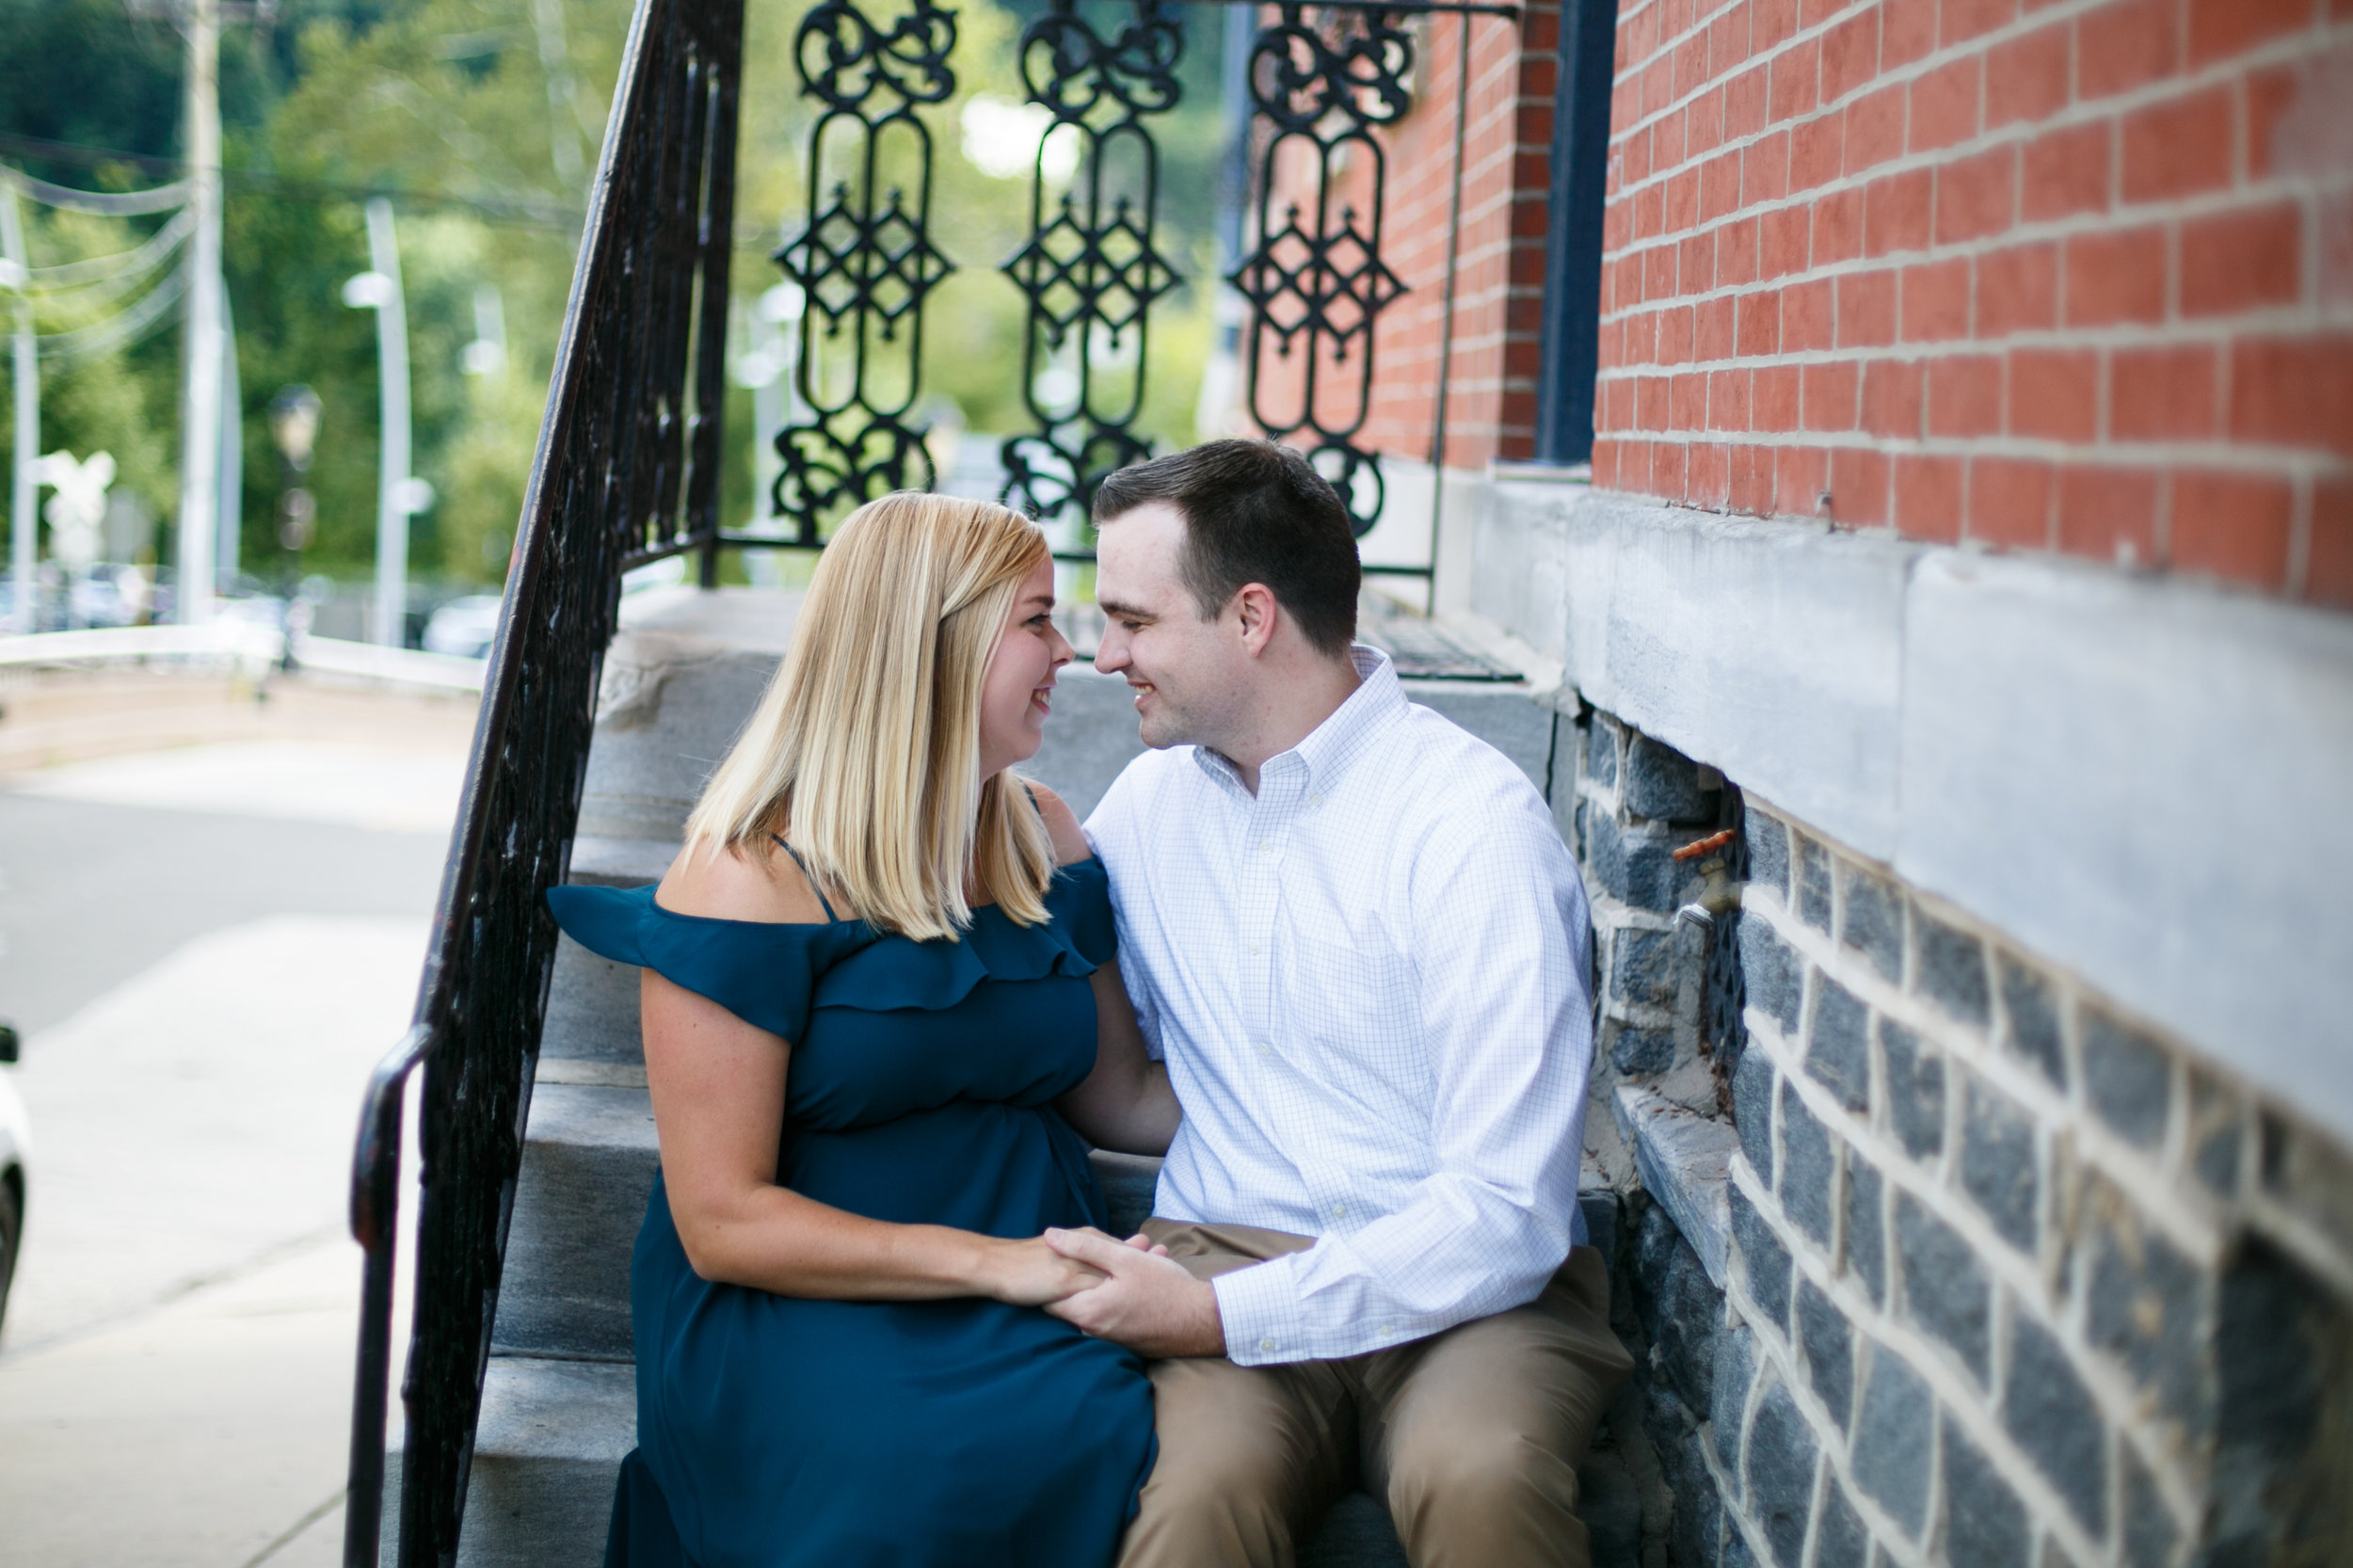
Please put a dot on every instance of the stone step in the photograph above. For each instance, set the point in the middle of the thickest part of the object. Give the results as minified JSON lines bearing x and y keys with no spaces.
{"x":589,"y":1158}
{"x":546,"y":1449}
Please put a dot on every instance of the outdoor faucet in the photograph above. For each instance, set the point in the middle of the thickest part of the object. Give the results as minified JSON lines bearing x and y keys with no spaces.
{"x":1719,"y":894}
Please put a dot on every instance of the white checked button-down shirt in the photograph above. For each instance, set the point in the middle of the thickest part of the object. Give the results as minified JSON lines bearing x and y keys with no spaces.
{"x":1369,"y":982}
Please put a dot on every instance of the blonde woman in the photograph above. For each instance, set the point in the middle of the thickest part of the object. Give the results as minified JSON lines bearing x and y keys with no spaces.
{"x":876,"y":981}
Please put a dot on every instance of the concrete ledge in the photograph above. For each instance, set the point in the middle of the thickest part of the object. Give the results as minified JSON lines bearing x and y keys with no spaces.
{"x":2127,"y":773}
{"x":592,"y":1010}
{"x":1686,"y":1163}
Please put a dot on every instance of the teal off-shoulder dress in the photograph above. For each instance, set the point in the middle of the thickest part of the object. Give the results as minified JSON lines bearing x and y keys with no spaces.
{"x":790,"y":1433}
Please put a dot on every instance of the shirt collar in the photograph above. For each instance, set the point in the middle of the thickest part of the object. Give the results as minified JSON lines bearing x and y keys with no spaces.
{"x":1347,"y":733}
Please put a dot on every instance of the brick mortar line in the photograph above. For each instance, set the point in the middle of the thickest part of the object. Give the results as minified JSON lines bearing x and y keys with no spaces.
{"x":2286,"y":48}
{"x":2211,"y":332}
{"x":2298,"y":463}
{"x":2054,"y":1110}
{"x":1975,"y":1413}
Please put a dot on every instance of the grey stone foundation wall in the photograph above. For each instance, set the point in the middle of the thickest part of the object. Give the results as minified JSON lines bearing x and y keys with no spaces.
{"x":1944,"y":1258}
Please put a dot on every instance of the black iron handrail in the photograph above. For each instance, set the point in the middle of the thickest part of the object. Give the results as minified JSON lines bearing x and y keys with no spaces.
{"x":627,"y":472}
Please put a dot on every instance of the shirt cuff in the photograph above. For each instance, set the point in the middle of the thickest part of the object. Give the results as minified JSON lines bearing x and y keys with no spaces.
{"x":1258,"y":1309}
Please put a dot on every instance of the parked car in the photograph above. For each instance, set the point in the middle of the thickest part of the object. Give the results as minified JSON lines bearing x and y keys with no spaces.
{"x":15,"y":1148}
{"x":465,"y":627}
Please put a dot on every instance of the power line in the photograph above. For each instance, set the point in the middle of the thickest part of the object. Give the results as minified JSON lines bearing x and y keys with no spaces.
{"x":500,"y":210}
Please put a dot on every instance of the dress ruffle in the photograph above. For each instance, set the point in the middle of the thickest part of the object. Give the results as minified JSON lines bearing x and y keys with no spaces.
{"x":771,"y":975}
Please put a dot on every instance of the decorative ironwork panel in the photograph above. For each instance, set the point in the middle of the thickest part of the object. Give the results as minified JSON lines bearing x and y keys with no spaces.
{"x":1314,"y":279}
{"x":1090,"y":270}
{"x":865,"y":260}
{"x":626,"y":471}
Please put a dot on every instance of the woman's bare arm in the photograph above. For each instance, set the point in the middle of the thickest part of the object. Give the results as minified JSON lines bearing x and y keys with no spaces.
{"x":718,"y":1086}
{"x":1125,"y":1103}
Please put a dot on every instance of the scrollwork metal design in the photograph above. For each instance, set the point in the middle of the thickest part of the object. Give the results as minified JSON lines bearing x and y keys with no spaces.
{"x":865,"y":260}
{"x":1090,"y":270}
{"x":1315,"y":280}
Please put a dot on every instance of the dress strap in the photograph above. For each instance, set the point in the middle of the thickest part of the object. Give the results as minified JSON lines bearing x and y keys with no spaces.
{"x":806,"y":874}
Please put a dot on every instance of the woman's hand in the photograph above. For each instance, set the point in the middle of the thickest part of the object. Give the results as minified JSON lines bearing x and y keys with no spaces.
{"x":1031,"y":1274}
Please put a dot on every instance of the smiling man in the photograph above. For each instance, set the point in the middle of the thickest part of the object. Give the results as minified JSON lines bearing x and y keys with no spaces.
{"x":1351,"y":931}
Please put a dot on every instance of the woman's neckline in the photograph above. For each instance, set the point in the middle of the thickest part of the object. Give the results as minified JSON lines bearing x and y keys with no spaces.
{"x":653,"y":898}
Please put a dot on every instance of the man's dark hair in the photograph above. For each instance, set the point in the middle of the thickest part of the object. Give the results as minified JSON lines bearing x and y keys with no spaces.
{"x":1255,"y":512}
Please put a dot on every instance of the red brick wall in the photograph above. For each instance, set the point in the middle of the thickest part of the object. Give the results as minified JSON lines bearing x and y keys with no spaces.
{"x":2063,"y":275}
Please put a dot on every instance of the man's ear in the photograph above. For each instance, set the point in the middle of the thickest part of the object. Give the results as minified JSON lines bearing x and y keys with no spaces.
{"x":1258,"y":613}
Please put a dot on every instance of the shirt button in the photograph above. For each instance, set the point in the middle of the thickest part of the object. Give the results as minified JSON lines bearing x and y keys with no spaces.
{"x":1339,"y":1210}
{"x":1266,"y":1344}
{"x":1264,"y":1051}
{"x":1253,"y":950}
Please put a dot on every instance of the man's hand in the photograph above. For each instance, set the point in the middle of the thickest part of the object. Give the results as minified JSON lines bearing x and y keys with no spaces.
{"x":1148,"y":1302}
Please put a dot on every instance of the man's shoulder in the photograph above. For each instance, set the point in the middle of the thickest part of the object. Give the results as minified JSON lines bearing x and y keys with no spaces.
{"x":1435,"y":763}
{"x":1133,"y":800}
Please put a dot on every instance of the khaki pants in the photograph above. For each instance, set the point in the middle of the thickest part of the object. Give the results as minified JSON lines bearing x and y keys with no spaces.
{"x":1471,"y":1436}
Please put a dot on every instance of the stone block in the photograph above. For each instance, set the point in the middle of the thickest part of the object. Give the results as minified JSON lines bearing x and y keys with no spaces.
{"x":2309,"y":1173}
{"x":2148,"y":1529}
{"x":1356,"y":1533}
{"x":1642,"y":968}
{"x":2032,"y":1009}
{"x":1090,"y":738}
{"x":1771,"y":973}
{"x":1638,"y":1051}
{"x":1945,"y":1289}
{"x":1681,"y":1309}
{"x":1601,"y":751}
{"x":592,"y":1009}
{"x":1813,"y":882}
{"x":588,"y":1165}
{"x":548,"y":1443}
{"x":1951,"y":969}
{"x":1764,"y":1259}
{"x":1685,"y":1160}
{"x":1698,"y":1524}
{"x":2145,"y":1305}
{"x":1809,"y":1167}
{"x":1985,"y":1524}
{"x":1780,"y":1457}
{"x":1828,"y":1340}
{"x":1915,"y":1089}
{"x":2050,"y":1415}
{"x":1634,"y":865}
{"x":2283,"y":1354}
{"x":1753,"y":1083}
{"x":1736,"y":1369}
{"x":1837,"y":1044}
{"x":1129,"y":1182}
{"x":2128,"y":1077}
{"x":1662,"y":783}
{"x":1864,"y":1249}
{"x":620,"y":862}
{"x":1997,"y":1162}
{"x":1873,"y":924}
{"x":1893,"y":1440}
{"x":2215,"y":1119}
{"x":1768,"y":850}
{"x":1840,"y":1540}
{"x":1609,"y":1507}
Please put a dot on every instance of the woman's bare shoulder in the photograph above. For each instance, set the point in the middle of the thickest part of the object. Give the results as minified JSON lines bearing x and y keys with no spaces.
{"x":1061,"y":825}
{"x":740,"y":882}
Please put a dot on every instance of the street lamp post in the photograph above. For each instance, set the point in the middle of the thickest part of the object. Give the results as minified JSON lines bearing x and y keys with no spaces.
{"x":294,"y":429}
{"x":397,"y":492}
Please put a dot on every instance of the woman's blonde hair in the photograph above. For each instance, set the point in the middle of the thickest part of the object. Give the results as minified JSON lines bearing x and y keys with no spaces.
{"x":867,"y":743}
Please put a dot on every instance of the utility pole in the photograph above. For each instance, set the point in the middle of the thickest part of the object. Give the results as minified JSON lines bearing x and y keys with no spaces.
{"x":200,"y":424}
{"x":23,"y":520}
{"x":396,"y":495}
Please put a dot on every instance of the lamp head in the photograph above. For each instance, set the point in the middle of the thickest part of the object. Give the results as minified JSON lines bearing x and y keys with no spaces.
{"x":294,"y":425}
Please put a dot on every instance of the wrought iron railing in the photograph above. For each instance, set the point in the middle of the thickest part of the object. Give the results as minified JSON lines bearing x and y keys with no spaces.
{"x":627,"y":472}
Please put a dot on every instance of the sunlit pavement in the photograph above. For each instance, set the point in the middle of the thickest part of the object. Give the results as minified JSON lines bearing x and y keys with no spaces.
{"x":175,"y":1373}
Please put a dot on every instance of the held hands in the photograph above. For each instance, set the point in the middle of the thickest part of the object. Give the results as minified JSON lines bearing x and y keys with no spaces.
{"x":1031,"y":1274}
{"x":1141,"y":1297}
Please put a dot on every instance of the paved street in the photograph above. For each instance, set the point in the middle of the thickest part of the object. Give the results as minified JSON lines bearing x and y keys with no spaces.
{"x":207,"y":948}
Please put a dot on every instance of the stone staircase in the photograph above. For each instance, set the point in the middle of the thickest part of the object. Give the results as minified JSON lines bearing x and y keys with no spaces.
{"x":559,"y":1403}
